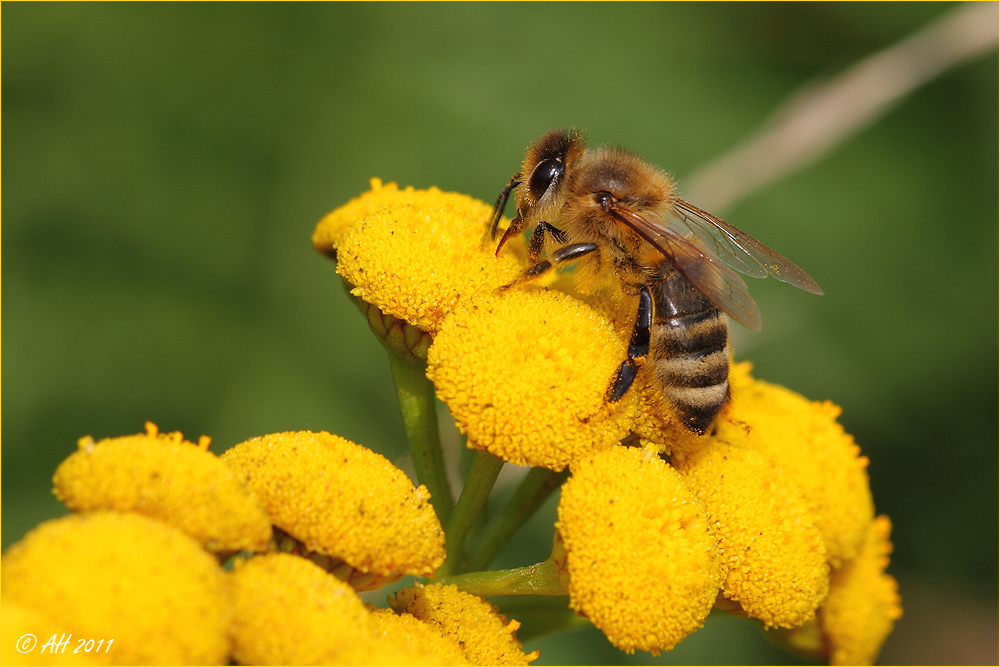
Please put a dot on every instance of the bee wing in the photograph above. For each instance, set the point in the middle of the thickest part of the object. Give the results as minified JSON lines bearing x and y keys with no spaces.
{"x":720,"y":284}
{"x":740,"y":251}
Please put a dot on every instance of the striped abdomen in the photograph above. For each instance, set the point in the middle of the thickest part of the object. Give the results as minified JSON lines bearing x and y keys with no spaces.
{"x":689,"y":350}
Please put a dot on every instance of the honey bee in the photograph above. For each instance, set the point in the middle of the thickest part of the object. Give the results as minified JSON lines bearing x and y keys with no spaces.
{"x":618,"y":213}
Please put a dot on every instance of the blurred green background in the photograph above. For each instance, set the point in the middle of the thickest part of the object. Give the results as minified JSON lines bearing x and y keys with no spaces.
{"x":164,"y":166}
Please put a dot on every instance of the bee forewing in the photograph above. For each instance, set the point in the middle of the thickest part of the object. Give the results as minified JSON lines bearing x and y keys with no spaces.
{"x":737,"y":249}
{"x":720,"y":284}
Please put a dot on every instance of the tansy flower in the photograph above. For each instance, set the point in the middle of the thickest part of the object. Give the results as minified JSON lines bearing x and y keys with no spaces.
{"x":414,"y":254}
{"x":863,"y":603}
{"x":18,"y":621}
{"x":485,"y":635}
{"x":165,"y":477}
{"x":406,"y":630}
{"x":288,"y":611}
{"x":636,"y":550}
{"x":344,"y":501}
{"x":525,"y":373}
{"x":126,"y":577}
{"x":772,"y":556}
{"x":805,"y":438}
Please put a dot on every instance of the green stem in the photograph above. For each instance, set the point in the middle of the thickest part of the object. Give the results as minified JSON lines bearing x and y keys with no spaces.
{"x":416,"y":403}
{"x":536,"y":486}
{"x":539,"y":579}
{"x":482,"y":476}
{"x":540,"y":615}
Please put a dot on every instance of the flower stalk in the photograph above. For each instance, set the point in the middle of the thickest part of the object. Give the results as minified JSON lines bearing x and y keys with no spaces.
{"x":482,"y":476}
{"x":539,"y":579}
{"x":533,"y":490}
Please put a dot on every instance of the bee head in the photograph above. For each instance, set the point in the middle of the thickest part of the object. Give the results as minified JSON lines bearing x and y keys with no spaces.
{"x":544,"y":169}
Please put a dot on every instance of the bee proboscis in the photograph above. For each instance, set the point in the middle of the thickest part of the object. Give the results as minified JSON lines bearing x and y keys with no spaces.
{"x":616,"y":212}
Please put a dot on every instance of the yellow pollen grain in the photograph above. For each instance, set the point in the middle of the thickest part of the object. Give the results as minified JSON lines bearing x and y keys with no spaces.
{"x":484,"y":634}
{"x":525,"y":373}
{"x":342,"y":500}
{"x":168,"y":478}
{"x":638,"y":551}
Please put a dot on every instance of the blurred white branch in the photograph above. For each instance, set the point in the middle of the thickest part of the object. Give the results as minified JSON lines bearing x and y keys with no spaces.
{"x":817,"y":118}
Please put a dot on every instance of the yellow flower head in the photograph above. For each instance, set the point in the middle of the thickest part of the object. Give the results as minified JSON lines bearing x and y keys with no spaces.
{"x":288,"y":611}
{"x":772,"y":556}
{"x":525,"y":373}
{"x":415,"y":254}
{"x":126,"y":577}
{"x":342,"y":500}
{"x":165,"y":477}
{"x":805,"y":439}
{"x":17,"y":621}
{"x":424,"y":643}
{"x":483,"y":633}
{"x":863,"y":603}
{"x":637,"y":550}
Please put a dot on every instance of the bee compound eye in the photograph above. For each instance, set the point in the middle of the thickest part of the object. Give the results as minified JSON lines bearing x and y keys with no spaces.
{"x":547,"y":172}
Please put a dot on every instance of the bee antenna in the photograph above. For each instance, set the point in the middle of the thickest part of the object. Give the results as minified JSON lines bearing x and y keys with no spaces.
{"x":502,"y":204}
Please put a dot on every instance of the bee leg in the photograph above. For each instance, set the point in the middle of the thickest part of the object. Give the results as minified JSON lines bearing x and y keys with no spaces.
{"x":564,"y":254}
{"x":638,"y":347}
{"x":537,"y":241}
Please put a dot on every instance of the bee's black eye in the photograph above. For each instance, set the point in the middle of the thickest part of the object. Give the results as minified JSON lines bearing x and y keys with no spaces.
{"x":545,"y":173}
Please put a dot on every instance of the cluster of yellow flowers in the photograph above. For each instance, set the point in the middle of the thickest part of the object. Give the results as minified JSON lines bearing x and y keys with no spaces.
{"x":140,"y":562}
{"x":770,"y":516}
{"x":256,"y":556}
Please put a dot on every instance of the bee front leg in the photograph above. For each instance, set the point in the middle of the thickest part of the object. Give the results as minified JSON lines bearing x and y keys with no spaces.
{"x":537,"y":241}
{"x":564,"y":254}
{"x":637,"y":347}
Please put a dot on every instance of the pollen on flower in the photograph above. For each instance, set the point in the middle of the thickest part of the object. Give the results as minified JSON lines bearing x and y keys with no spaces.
{"x":524,"y":374}
{"x":414,"y":254}
{"x":805,"y":439}
{"x":168,"y":478}
{"x":288,"y":611}
{"x":772,"y":556}
{"x":637,"y":550}
{"x":863,"y":603}
{"x":485,"y":635}
{"x":342,"y":500}
{"x":128,"y":577}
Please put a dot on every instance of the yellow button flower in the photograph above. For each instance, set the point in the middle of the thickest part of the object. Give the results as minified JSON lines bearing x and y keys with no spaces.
{"x":772,"y":555}
{"x":863,"y":603}
{"x":525,"y":373}
{"x":165,"y":477}
{"x":126,"y":577}
{"x":485,"y":635}
{"x":342,"y":500}
{"x":414,"y":254}
{"x":805,"y":439}
{"x":638,"y":552}
{"x":423,"y":642}
{"x":17,"y":648}
{"x":288,"y":611}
